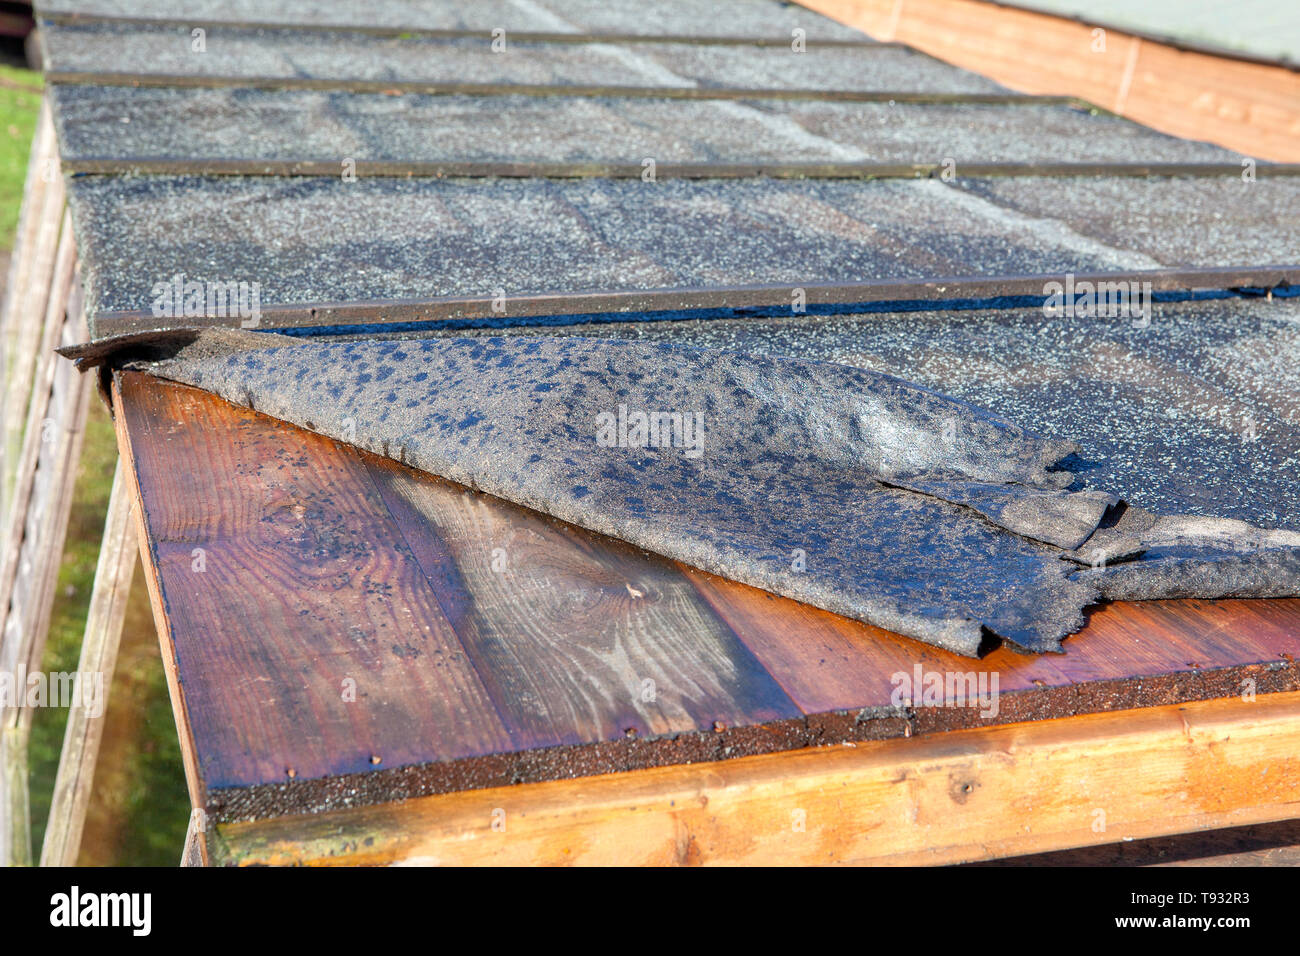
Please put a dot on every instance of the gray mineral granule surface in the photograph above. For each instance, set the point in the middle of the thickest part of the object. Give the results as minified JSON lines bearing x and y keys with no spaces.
{"x":911,"y":510}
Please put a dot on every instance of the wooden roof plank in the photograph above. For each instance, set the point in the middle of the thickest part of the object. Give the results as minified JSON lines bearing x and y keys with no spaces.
{"x":312,"y":549}
{"x":578,"y":637}
{"x":301,"y":630}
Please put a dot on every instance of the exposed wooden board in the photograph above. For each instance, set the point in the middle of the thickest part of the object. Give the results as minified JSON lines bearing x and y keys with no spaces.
{"x":830,"y":663}
{"x":1250,"y":107}
{"x":333,"y":656}
{"x":28,"y":622}
{"x":1129,"y":655}
{"x":50,"y":508}
{"x":157,"y":606}
{"x":947,"y":798}
{"x":577,"y":637}
{"x":44,"y":432}
{"x":561,"y":609}
{"x":76,"y":774}
{"x":238,"y":751}
{"x":1267,"y":844}
{"x":27,"y":294}
{"x":33,"y":431}
{"x":195,"y":852}
{"x":34,"y":534}
{"x":29,"y":222}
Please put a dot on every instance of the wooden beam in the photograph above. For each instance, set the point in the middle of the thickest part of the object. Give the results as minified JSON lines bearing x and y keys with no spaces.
{"x":1261,"y":844}
{"x":33,"y":542}
{"x":157,"y":605}
{"x":947,"y":798}
{"x":34,"y":430}
{"x":195,"y":850}
{"x":31,"y":272}
{"x":1253,"y":108}
{"x":108,"y":600}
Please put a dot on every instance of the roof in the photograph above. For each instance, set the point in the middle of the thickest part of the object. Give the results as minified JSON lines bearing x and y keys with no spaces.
{"x":381,"y":170}
{"x":558,"y":167}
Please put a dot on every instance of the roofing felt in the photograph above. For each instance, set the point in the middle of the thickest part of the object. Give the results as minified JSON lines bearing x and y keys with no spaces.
{"x":171,"y":124}
{"x":666,"y":17}
{"x":824,"y":483}
{"x":515,"y":418}
{"x":1196,"y":411}
{"x":426,"y":238}
{"x":294,"y":55}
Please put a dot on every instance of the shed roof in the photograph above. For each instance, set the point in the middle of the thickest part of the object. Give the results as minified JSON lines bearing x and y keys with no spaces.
{"x":511,"y":189}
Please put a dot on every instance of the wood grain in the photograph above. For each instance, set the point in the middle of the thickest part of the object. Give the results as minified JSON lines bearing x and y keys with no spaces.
{"x":45,"y":395}
{"x":578,"y":637}
{"x":80,"y":753}
{"x":304,"y":638}
{"x":35,"y":531}
{"x":323,"y":561}
{"x":1249,"y":107}
{"x":26,"y":295}
{"x":1129,"y":655}
{"x":946,"y":798}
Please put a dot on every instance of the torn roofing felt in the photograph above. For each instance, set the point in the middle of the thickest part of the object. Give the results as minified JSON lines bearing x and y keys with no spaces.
{"x":844,"y":488}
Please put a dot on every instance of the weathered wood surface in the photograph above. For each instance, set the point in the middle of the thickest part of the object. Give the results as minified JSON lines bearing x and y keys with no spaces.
{"x":194,"y":852}
{"x":578,"y":637}
{"x":946,"y":798}
{"x":303,"y":634}
{"x":487,"y":645}
{"x":108,"y":600}
{"x":31,"y":271}
{"x":34,"y":534}
{"x":34,"y":432}
{"x":1263,"y":844}
{"x":1250,"y":107}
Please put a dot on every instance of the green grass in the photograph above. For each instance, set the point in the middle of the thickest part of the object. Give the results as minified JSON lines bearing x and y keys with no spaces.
{"x":20,"y":101}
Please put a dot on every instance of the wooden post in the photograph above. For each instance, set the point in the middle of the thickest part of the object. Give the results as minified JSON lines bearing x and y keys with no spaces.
{"x":31,"y":274}
{"x":34,"y":534}
{"x":195,"y":852}
{"x":108,"y":602}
